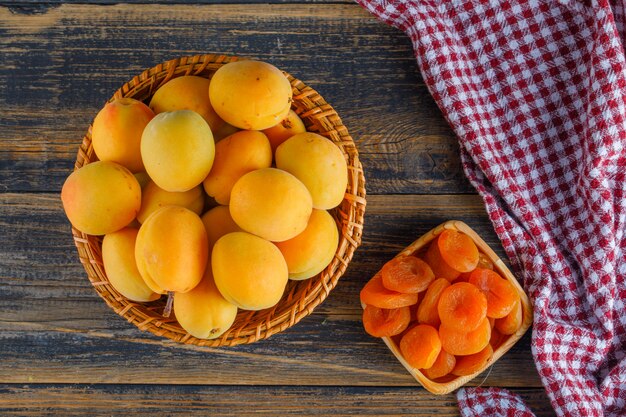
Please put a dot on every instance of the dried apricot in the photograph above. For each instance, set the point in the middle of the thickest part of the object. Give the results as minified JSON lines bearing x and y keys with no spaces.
{"x":444,"y":364}
{"x":420,"y":346}
{"x":380,"y":322}
{"x":483,"y":262}
{"x":437,"y":264}
{"x":427,"y":312}
{"x":465,"y":343}
{"x":467,"y":365}
{"x":462,"y":306}
{"x":375,"y":294}
{"x":458,"y":250}
{"x":512,"y":321}
{"x":501,"y":294}
{"x":407,"y":274}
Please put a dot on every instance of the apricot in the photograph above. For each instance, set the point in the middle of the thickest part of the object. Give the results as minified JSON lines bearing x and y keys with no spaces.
{"x":235,"y":156}
{"x":249,"y":271}
{"x":458,"y":250}
{"x":251,"y":95}
{"x":203,"y":312}
{"x":375,"y":294}
{"x":218,"y":223}
{"x":420,"y":346}
{"x":380,"y":322}
{"x":319,"y":164}
{"x":427,"y":312}
{"x":407,"y":274}
{"x":459,"y":342}
{"x":501,"y":294}
{"x":154,"y":198}
{"x":311,"y":251}
{"x":444,"y":364}
{"x":172,"y":250}
{"x":470,"y":364}
{"x":118,"y":257}
{"x":437,"y":264}
{"x":510,"y":323}
{"x":462,"y":306}
{"x":270,"y":203}
{"x":188,"y":92}
{"x":177,"y":150}
{"x":101,"y":197}
{"x":289,"y":126}
{"x":116,"y":132}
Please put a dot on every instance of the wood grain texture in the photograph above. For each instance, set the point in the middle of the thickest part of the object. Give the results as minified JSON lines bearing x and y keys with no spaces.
{"x":63,"y":351}
{"x":18,"y":5}
{"x":35,"y":400}
{"x":53,"y":325}
{"x":58,"y":68}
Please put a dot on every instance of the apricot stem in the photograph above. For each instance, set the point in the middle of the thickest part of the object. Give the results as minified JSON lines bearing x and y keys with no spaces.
{"x":168,"y":306}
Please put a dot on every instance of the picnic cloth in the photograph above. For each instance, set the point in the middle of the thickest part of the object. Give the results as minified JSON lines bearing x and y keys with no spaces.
{"x":534,"y":90}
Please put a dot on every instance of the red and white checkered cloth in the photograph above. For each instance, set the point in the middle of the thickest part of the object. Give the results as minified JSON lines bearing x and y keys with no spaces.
{"x":535,"y":93}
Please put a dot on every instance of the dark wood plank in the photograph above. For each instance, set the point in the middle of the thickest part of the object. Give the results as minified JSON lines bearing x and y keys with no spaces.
{"x":35,"y":400}
{"x":27,"y":6}
{"x":53,"y":325}
{"x":320,"y":350}
{"x":57,"y":69}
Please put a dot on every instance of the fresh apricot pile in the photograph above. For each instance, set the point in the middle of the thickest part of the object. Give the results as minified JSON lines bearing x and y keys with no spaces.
{"x":445,"y":307}
{"x":213,"y":191}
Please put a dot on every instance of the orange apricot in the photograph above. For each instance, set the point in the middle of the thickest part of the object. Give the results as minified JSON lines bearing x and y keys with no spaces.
{"x":374,"y":293}
{"x":458,"y":250}
{"x":407,"y":274}
{"x":116,"y":132}
{"x":444,"y":364}
{"x":501,"y":294}
{"x":483,"y":262}
{"x":440,"y":268}
{"x":467,"y":365}
{"x":427,"y":312}
{"x":462,"y":306}
{"x":465,"y":343}
{"x":381,"y":322}
{"x":420,"y":346}
{"x":512,"y":321}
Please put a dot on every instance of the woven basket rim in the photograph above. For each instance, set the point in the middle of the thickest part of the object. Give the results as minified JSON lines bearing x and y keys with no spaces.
{"x":301,"y":297}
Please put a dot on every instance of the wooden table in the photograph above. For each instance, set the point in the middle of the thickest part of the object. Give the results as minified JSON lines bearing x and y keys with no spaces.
{"x":62,"y":350}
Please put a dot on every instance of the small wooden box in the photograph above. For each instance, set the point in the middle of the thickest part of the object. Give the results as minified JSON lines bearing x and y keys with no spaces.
{"x":500,"y":267}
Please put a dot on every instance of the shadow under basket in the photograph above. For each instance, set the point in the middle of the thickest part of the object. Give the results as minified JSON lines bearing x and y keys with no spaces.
{"x":450,"y":382}
{"x":300,"y":297}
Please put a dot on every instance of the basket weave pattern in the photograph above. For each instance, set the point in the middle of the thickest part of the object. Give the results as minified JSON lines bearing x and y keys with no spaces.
{"x":301,"y":297}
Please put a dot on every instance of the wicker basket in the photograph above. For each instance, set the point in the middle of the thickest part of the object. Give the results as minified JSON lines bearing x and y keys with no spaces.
{"x":300,"y":297}
{"x":450,"y":384}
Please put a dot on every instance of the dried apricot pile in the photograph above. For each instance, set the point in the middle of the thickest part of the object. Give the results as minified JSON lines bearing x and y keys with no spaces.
{"x":447,"y":310}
